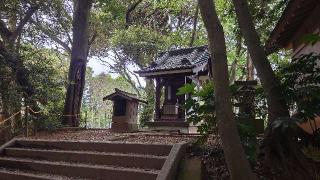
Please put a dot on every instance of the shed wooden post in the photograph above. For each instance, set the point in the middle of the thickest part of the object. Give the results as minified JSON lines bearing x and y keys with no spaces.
{"x":158,"y":96}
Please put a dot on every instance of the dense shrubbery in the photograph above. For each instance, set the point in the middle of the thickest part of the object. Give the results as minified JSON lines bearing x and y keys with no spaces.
{"x":201,"y":112}
{"x":301,"y":87}
{"x":200,"y":107}
{"x":300,"y":84}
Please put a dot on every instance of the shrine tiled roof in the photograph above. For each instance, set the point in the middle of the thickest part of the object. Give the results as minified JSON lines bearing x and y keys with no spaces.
{"x":186,"y":58}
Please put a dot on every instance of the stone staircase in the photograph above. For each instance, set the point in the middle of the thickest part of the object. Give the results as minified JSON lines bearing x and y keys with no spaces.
{"x":47,"y":159}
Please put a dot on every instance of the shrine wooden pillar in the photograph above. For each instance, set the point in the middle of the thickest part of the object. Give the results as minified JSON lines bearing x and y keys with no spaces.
{"x":158,"y":96}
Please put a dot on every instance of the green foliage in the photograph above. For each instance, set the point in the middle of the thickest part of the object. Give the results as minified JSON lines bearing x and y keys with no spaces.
{"x":249,"y":141}
{"x":148,"y":109}
{"x":48,"y":76}
{"x":139,"y":43}
{"x":200,"y":107}
{"x":97,"y":112}
{"x":261,"y":108}
{"x":311,"y":38}
{"x":285,"y":125}
{"x":300,"y":82}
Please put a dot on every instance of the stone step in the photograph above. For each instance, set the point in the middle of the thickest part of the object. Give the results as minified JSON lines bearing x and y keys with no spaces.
{"x":14,"y":174}
{"x":77,"y":170}
{"x":98,"y":158}
{"x":167,"y":123}
{"x":124,"y":148}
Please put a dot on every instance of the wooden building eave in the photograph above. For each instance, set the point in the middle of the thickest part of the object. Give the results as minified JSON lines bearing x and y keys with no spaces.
{"x":290,"y":21}
{"x":161,"y":73}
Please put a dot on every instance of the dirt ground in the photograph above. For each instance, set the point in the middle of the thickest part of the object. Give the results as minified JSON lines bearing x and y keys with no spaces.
{"x":106,"y":135}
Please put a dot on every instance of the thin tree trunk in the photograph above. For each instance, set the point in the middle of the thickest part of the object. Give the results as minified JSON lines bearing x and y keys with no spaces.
{"x":195,"y":22}
{"x":282,"y":153}
{"x":78,"y":62}
{"x":234,"y":64}
{"x":277,"y":106}
{"x":238,"y":165}
{"x":250,"y":68}
{"x":3,"y":110}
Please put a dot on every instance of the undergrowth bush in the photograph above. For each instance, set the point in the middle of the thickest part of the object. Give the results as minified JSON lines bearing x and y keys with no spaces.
{"x":200,"y":110}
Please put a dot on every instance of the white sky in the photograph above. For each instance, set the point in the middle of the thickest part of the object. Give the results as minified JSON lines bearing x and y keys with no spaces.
{"x":98,"y":68}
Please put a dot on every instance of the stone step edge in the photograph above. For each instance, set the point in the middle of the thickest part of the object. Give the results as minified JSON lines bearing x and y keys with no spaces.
{"x":125,"y":160}
{"x":152,"y":149}
{"x":59,"y":163}
{"x":18,"y":174}
{"x":91,"y":142}
{"x":87,"y":152}
{"x":170,"y":168}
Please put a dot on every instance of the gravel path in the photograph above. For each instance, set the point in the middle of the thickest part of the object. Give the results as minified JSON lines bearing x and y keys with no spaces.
{"x":107,"y":136}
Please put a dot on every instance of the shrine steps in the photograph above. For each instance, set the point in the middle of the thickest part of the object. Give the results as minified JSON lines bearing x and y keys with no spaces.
{"x":46,"y":159}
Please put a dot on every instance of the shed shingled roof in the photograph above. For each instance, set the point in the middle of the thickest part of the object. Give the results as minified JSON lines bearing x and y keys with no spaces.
{"x":186,"y":58}
{"x":123,"y":94}
{"x":291,"y":19}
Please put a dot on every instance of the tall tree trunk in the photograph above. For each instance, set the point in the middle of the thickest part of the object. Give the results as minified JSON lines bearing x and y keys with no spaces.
{"x":282,"y":153}
{"x":238,"y":165}
{"x":78,"y":62}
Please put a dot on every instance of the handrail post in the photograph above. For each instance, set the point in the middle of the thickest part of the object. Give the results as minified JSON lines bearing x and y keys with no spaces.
{"x":85,"y":119}
{"x":26,"y":121}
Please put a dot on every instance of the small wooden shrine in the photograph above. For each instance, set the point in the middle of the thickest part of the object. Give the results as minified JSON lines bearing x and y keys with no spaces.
{"x":170,"y":71}
{"x":125,"y":111}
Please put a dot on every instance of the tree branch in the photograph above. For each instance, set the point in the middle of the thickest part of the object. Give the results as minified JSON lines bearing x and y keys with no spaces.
{"x":4,"y":31}
{"x":130,"y":81}
{"x":52,"y":36}
{"x":131,"y":8}
{"x":136,"y":77}
{"x":24,"y":21}
{"x":93,"y":38}
{"x":9,"y":60}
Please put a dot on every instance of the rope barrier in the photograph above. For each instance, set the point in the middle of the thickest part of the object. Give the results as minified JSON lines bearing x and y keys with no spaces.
{"x":33,"y":112}
{"x":15,"y":114}
{"x":36,"y":112}
{"x":65,"y":115}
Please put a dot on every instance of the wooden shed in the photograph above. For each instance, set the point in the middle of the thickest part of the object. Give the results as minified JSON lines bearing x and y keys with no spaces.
{"x":125,"y":111}
{"x":299,"y":19}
